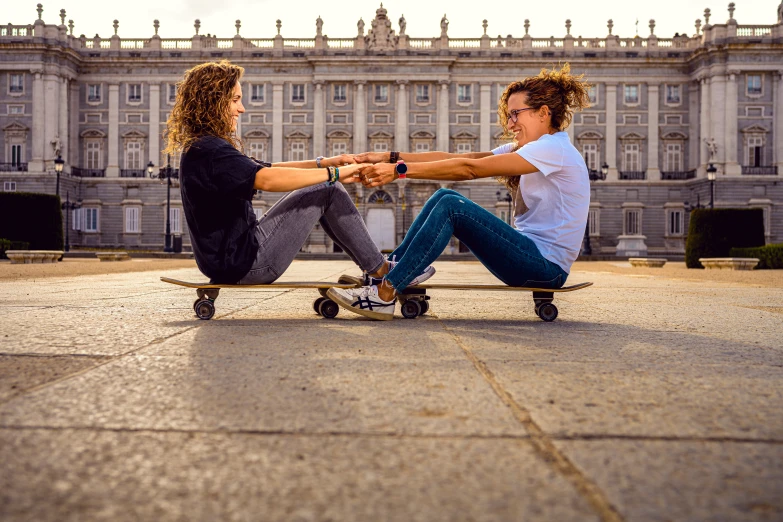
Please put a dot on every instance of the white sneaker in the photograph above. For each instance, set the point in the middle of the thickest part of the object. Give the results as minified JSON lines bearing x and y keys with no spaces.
{"x":419,"y":279}
{"x":363,"y":301}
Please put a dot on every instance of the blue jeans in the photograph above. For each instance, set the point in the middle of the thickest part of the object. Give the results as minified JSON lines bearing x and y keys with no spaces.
{"x":511,"y":256}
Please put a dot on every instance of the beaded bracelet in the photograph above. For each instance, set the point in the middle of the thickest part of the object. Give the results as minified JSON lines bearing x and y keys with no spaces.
{"x":329,"y":175}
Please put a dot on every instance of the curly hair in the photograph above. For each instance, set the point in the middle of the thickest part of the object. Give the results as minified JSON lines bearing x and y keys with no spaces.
{"x":202,"y":106}
{"x":559,"y":90}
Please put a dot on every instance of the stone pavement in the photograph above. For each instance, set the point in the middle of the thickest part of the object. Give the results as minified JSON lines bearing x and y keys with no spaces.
{"x":649,"y":398}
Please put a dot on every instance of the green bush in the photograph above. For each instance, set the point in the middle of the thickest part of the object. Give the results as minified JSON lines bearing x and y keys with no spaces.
{"x":714,"y":232}
{"x":769,"y":256}
{"x":5,"y":244}
{"x":31,"y":218}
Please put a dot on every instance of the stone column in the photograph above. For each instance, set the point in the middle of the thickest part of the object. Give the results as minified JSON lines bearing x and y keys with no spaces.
{"x":693,"y":128}
{"x":704,"y":127}
{"x":113,"y":167}
{"x":485,"y":139}
{"x":777,"y":133}
{"x":277,"y":122}
{"x":718,"y":116}
{"x":73,"y":122}
{"x":360,"y":118}
{"x":319,"y":120}
{"x":39,"y":120}
{"x":401,"y":132}
{"x":732,"y":167}
{"x":611,"y":130}
{"x":443,"y":117}
{"x":154,"y":130}
{"x":653,"y":102}
{"x":52,"y":121}
{"x":63,"y":120}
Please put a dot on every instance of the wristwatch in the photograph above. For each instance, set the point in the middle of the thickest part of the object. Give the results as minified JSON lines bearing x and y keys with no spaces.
{"x":394,"y":156}
{"x":401,"y":169}
{"x":318,"y":161}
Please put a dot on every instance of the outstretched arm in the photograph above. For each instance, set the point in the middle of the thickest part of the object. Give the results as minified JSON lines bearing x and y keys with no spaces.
{"x":284,"y":179}
{"x":334,"y":161}
{"x":416,"y":157}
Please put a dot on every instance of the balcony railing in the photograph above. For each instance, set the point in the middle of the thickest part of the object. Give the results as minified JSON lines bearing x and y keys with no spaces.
{"x":679,"y":174}
{"x":133,"y":173}
{"x":595,"y":175}
{"x":88,"y":173}
{"x":760,"y":171}
{"x":633,"y":174}
{"x":13,"y":167}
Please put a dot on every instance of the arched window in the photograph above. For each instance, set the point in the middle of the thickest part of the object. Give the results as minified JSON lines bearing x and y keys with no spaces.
{"x":380,"y":197}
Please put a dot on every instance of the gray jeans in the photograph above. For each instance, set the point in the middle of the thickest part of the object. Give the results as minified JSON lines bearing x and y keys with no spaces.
{"x":283,"y":230}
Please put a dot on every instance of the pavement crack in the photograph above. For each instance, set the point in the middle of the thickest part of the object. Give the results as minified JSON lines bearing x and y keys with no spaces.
{"x":541,"y":442}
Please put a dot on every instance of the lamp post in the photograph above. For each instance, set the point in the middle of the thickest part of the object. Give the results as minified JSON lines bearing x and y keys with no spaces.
{"x":58,"y":169}
{"x":507,"y":198}
{"x":711,"y":170}
{"x":164,"y":172}
{"x":587,"y":249}
{"x":68,"y":207}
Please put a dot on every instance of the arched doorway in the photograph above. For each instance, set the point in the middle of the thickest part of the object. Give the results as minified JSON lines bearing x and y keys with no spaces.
{"x":380,"y":220}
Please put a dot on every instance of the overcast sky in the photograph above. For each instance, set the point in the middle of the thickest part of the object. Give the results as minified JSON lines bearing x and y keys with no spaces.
{"x":258,"y":17}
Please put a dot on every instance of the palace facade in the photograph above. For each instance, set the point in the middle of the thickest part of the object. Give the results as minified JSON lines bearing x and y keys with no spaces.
{"x":666,"y":113}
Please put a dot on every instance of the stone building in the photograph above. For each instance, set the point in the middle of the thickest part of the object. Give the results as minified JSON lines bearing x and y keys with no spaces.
{"x":664,"y":110}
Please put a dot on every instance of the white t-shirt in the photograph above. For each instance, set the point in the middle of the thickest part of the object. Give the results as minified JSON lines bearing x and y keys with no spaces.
{"x":557,"y":197}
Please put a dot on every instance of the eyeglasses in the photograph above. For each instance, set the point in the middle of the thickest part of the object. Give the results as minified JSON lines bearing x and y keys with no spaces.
{"x":514,"y":115}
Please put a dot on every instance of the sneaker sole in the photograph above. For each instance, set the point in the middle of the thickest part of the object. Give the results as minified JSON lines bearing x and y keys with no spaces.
{"x":351,"y":280}
{"x":378,"y":316}
{"x":421,"y":278}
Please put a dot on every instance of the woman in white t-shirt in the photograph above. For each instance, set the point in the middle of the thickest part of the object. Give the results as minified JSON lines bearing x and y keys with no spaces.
{"x":542,"y":169}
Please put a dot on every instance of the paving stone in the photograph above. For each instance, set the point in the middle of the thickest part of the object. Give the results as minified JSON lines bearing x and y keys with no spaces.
{"x":21,"y":373}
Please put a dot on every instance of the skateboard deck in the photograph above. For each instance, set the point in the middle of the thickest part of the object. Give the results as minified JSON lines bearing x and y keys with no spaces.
{"x":413,"y":300}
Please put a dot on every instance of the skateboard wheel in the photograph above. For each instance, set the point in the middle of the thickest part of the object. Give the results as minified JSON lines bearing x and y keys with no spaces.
{"x":547,"y":312}
{"x":195,"y":304}
{"x":317,"y":304}
{"x":205,"y":309}
{"x":425,"y":307}
{"x":410,"y":309}
{"x":328,"y":309}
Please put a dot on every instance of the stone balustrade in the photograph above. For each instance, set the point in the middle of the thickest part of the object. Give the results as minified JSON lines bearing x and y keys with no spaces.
{"x":113,"y":256}
{"x":729,"y":263}
{"x":647,"y":262}
{"x":26,"y":257}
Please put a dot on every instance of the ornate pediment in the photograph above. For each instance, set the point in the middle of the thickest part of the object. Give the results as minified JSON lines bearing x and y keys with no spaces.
{"x":464,"y":135}
{"x":15,"y":129}
{"x":755,"y":129}
{"x":632,"y":136}
{"x":590,"y":135}
{"x":674,"y":135}
{"x":381,"y":135}
{"x":93,"y":133}
{"x":297,"y":134}
{"x":423,"y":135}
{"x":134,"y":135}
{"x":256,"y":134}
{"x":338,"y":134}
{"x":381,"y":37}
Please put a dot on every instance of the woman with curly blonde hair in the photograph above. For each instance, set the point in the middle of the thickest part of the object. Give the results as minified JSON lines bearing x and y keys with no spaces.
{"x":541,"y":168}
{"x":218,"y":183}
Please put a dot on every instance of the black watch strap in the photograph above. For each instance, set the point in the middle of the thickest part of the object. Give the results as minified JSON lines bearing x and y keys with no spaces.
{"x":394,"y":156}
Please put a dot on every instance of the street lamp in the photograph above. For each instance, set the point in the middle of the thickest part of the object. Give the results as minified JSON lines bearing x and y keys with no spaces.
{"x":604,"y":170}
{"x":507,"y":198}
{"x":58,"y":168}
{"x":165,"y":173}
{"x":68,"y":207}
{"x":711,"y":170}
{"x":593,"y":175}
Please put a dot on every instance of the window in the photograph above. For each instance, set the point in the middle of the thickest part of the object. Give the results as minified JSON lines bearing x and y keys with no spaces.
{"x":632,"y":224}
{"x":257,"y":93}
{"x":592,"y":93}
{"x":94,"y":93}
{"x":593,"y":222}
{"x":132,"y":220}
{"x":754,"y":151}
{"x":16,"y":155}
{"x":754,"y":85}
{"x":16,"y":109}
{"x":9,"y":186}
{"x":422,"y":147}
{"x":339,"y":93}
{"x":90,"y":219}
{"x":631,"y":94}
{"x":672,"y":161}
{"x":339,"y":147}
{"x":134,"y":93}
{"x":673,"y":94}
{"x":381,"y":94}
{"x":674,"y":222}
{"x":298,"y":93}
{"x":133,"y":155}
{"x":175,"y":222}
{"x":257,"y":150}
{"x":464,"y":148}
{"x":297,"y":152}
{"x":422,"y":93}
{"x":590,"y":153}
{"x":631,"y":158}
{"x":172,"y":92}
{"x":16,"y":84}
{"x":463,"y":93}
{"x":77,"y":219}
{"x":93,"y":153}
{"x":380,"y":146}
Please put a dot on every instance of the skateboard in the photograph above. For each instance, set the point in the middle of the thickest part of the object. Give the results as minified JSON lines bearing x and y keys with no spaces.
{"x":204,"y":306}
{"x":414,"y":299}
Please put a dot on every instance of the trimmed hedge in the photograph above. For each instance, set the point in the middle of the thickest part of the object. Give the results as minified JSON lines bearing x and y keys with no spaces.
{"x":12,"y":245}
{"x":769,"y":256}
{"x":33,"y":218}
{"x":714,"y":232}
